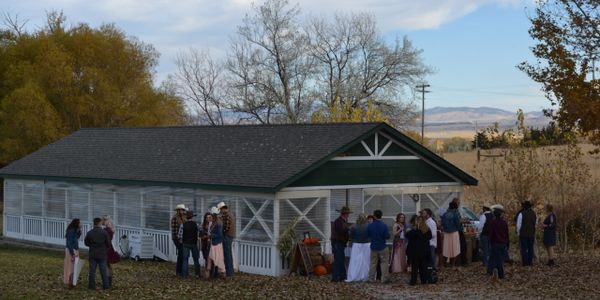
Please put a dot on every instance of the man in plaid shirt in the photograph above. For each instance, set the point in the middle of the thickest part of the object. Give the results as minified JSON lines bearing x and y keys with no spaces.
{"x":177,"y":220}
{"x":228,"y":234}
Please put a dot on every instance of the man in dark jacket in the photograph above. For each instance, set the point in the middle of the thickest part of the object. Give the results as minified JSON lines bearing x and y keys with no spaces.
{"x":499,"y":241}
{"x":188,"y":237}
{"x":340,"y":234}
{"x":98,"y":244}
{"x":379,"y":233}
{"x":484,"y":233}
{"x":526,"y":222}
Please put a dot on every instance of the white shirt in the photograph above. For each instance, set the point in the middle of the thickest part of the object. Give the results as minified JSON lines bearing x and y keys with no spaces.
{"x":482,"y":219}
{"x":433,"y":227}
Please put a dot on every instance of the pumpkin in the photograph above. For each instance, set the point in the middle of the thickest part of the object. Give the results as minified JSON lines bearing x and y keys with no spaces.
{"x":320,"y":270}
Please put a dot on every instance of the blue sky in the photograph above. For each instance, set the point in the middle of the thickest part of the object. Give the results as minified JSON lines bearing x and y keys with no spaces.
{"x":474,"y":45}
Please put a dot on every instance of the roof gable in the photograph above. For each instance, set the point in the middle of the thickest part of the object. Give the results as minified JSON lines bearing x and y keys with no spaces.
{"x":383,"y":156}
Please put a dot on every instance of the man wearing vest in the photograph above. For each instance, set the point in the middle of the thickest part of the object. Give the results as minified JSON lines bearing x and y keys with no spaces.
{"x":526,"y":222}
{"x":228,"y":234}
{"x":340,"y":234}
{"x":188,"y":237}
{"x":484,"y":233}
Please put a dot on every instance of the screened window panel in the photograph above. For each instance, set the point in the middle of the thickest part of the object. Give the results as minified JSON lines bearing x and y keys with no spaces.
{"x":54,"y":203}
{"x":102,"y":202}
{"x":386,"y":203}
{"x":14,"y":196}
{"x":338,"y":200}
{"x":32,"y":199}
{"x":317,"y":216}
{"x":252,"y":229}
{"x":129,"y":210}
{"x":186,"y":197}
{"x":157,"y":210}
{"x":79,"y":205}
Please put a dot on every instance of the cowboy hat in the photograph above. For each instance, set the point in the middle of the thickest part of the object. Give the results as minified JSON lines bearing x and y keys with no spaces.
{"x":345,"y":210}
{"x":214,"y":210}
{"x":497,"y":207}
{"x":180,"y":206}
{"x":221,"y":205}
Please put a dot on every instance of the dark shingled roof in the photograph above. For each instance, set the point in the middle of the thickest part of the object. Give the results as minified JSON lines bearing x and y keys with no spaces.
{"x":255,"y":156}
{"x":261,"y":158}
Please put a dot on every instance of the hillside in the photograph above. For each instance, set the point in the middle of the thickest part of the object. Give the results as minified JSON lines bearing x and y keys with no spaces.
{"x":444,"y":122}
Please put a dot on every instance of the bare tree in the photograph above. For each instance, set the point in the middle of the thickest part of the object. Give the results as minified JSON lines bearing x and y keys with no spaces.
{"x":271,"y":47}
{"x":198,"y":81}
{"x":357,"y":65}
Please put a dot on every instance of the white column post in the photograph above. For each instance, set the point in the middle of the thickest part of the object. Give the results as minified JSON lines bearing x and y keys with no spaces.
{"x":275,"y":257}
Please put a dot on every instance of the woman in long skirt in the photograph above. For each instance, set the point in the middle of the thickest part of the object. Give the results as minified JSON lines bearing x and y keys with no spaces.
{"x":451,"y":226}
{"x":399,"y":262}
{"x":72,"y":235}
{"x":216,"y":257}
{"x":360,"y":256}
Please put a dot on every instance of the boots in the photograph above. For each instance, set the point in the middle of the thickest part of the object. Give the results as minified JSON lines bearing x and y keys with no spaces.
{"x":551,"y":262}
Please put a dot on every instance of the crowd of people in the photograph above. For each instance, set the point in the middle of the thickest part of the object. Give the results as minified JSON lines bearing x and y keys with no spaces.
{"x":213,"y":237}
{"x":424,"y":244}
{"x":418,"y":246}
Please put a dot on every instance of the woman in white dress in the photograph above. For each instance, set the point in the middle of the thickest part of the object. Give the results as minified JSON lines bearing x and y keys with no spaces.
{"x":360,"y":257}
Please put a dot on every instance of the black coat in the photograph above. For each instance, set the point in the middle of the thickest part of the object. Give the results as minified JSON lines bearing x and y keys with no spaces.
{"x":418,"y":244}
{"x":98,"y":243}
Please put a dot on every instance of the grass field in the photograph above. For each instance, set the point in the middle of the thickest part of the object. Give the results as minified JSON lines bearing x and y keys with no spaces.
{"x":29,"y":273}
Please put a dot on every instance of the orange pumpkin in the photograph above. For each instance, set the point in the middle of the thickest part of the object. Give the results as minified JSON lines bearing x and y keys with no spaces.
{"x":320,"y":270}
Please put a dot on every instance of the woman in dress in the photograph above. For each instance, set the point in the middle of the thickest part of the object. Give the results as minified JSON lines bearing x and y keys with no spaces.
{"x":72,"y":235}
{"x":113,"y":256}
{"x":451,"y":225}
{"x":207,"y":224}
{"x":399,"y":262}
{"x":418,"y":250}
{"x":360,"y":257}
{"x":550,"y":233}
{"x":216,"y":257}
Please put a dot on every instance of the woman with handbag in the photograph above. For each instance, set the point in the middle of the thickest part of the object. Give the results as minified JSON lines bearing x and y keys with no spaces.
{"x":72,"y":235}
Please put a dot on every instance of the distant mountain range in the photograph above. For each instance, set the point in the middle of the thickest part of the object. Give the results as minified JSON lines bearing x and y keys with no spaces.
{"x":463,"y":121}
{"x":482,"y":115}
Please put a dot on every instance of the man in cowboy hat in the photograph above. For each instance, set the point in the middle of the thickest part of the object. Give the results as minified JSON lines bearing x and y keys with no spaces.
{"x":188,"y":237}
{"x":526,"y":222}
{"x":177,"y":220}
{"x":228,"y":235}
{"x":340,"y":234}
{"x":484,"y":232}
{"x":499,"y":240}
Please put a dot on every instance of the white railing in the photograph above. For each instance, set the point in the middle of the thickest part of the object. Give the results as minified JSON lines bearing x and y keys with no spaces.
{"x":12,"y":226}
{"x":162,"y":242}
{"x":256,"y":258}
{"x":55,"y":231}
{"x":32,"y":229}
{"x":252,"y":257}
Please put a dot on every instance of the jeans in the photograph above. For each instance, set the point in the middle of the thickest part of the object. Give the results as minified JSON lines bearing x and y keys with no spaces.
{"x":103,"y":273}
{"x":432,"y":257}
{"x":497,"y":259}
{"x":339,"y":267}
{"x":485,"y":248}
{"x":227,"y":252}
{"x":186,"y":256}
{"x":526,"y":250}
{"x":381,"y":257}
{"x":179,"y":249}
